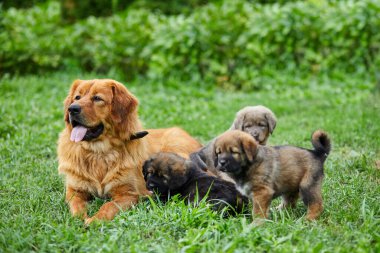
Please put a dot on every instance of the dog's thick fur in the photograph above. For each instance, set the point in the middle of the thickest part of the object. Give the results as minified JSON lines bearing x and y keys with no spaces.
{"x":264,"y":173}
{"x":168,"y":174}
{"x":258,"y":121}
{"x":99,"y":152}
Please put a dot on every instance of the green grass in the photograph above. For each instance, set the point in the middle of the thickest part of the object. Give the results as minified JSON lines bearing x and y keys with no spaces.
{"x":34,"y":216}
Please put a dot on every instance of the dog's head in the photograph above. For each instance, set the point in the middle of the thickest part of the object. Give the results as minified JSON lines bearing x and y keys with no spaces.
{"x":165,"y":171}
{"x":234,"y":152}
{"x":100,"y":106}
{"x":258,"y":121}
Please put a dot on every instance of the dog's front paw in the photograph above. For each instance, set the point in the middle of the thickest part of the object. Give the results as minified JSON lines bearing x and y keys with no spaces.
{"x":88,"y":221}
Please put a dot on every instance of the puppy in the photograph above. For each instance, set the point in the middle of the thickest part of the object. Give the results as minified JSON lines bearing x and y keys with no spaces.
{"x":258,"y":121}
{"x":101,"y":150}
{"x":263,"y":173}
{"x":168,"y":174}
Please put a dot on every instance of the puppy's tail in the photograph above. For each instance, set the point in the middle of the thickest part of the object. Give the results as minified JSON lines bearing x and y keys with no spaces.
{"x":322,"y":144}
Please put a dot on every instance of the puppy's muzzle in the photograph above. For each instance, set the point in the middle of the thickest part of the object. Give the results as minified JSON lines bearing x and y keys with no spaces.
{"x":150,"y":186}
{"x":222,"y":164}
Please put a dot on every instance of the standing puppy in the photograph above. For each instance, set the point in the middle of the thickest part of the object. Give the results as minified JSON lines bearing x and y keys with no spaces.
{"x":258,"y":121}
{"x":264,"y":173}
{"x":168,"y":174}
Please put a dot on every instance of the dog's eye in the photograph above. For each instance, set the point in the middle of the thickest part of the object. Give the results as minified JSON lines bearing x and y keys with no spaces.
{"x":77,"y":97}
{"x":262,"y":124}
{"x":97,"y":98}
{"x":247,"y":126}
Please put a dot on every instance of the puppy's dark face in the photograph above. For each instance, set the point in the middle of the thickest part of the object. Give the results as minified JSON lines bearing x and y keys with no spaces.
{"x":164,"y":172}
{"x":234,"y":151}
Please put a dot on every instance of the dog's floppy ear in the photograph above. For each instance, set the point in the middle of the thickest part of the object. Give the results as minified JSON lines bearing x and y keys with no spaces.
{"x":139,"y":135}
{"x":238,"y":123}
{"x":145,"y":167}
{"x":69,"y":99}
{"x":123,"y":111}
{"x":214,"y":157}
{"x":250,"y":147}
{"x":271,"y":119}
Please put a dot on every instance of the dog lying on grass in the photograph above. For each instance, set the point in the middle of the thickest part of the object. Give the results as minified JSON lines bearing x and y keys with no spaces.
{"x":263,"y":173}
{"x":101,"y":150}
{"x":168,"y":174}
{"x":258,"y":121}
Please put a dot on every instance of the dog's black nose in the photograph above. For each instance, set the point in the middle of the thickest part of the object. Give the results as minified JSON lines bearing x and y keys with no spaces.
{"x":74,"y":109}
{"x":222,"y":162}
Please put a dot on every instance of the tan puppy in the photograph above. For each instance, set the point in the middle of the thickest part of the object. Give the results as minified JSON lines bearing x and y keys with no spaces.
{"x":101,"y":152}
{"x":264,"y":173}
{"x":258,"y":121}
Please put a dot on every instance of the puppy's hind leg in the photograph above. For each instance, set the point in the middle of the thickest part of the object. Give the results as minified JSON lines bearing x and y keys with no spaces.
{"x":288,"y":200}
{"x":312,"y":198}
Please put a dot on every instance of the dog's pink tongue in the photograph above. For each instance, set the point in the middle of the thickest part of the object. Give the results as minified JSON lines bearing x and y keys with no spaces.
{"x":78,"y":133}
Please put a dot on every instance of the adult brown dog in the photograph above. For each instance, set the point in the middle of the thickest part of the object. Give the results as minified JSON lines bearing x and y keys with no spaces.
{"x":98,"y":152}
{"x":263,"y":173}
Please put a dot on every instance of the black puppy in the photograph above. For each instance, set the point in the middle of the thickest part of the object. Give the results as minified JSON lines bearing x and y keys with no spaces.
{"x":169,"y":174}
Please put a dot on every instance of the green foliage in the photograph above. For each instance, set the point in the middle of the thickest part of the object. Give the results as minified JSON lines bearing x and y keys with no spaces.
{"x":20,"y":3}
{"x":73,"y":10}
{"x":30,"y":39}
{"x":233,"y":43}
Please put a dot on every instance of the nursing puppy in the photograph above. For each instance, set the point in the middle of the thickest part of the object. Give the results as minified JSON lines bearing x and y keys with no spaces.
{"x":264,"y":173}
{"x":258,"y":121}
{"x":168,"y":174}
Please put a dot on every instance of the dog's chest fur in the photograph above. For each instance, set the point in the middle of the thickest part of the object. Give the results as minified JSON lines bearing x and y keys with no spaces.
{"x":245,"y":188}
{"x":94,"y":167}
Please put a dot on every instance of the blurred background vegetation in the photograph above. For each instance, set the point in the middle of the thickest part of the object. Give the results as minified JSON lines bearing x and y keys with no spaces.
{"x":234,"y":44}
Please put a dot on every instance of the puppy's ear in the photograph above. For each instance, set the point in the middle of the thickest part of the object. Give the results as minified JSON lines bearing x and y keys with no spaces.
{"x":145,"y":167}
{"x":250,"y":148}
{"x":214,"y":157}
{"x":69,"y":99}
{"x":123,"y":111}
{"x":271,"y":119}
{"x":238,"y":123}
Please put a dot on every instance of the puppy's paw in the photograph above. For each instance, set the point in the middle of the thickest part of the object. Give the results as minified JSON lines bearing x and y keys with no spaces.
{"x":280,"y":206}
{"x":258,"y":222}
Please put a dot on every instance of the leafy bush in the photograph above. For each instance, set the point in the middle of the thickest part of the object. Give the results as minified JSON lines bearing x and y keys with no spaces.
{"x":30,"y":39}
{"x":234,"y":43}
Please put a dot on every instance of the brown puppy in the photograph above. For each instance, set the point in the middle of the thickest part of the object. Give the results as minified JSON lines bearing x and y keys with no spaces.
{"x":100,"y":152}
{"x":258,"y":121}
{"x":168,"y":174}
{"x":264,"y":173}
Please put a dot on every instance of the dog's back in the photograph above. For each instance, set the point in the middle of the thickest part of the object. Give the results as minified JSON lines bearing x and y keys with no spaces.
{"x":295,"y":162}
